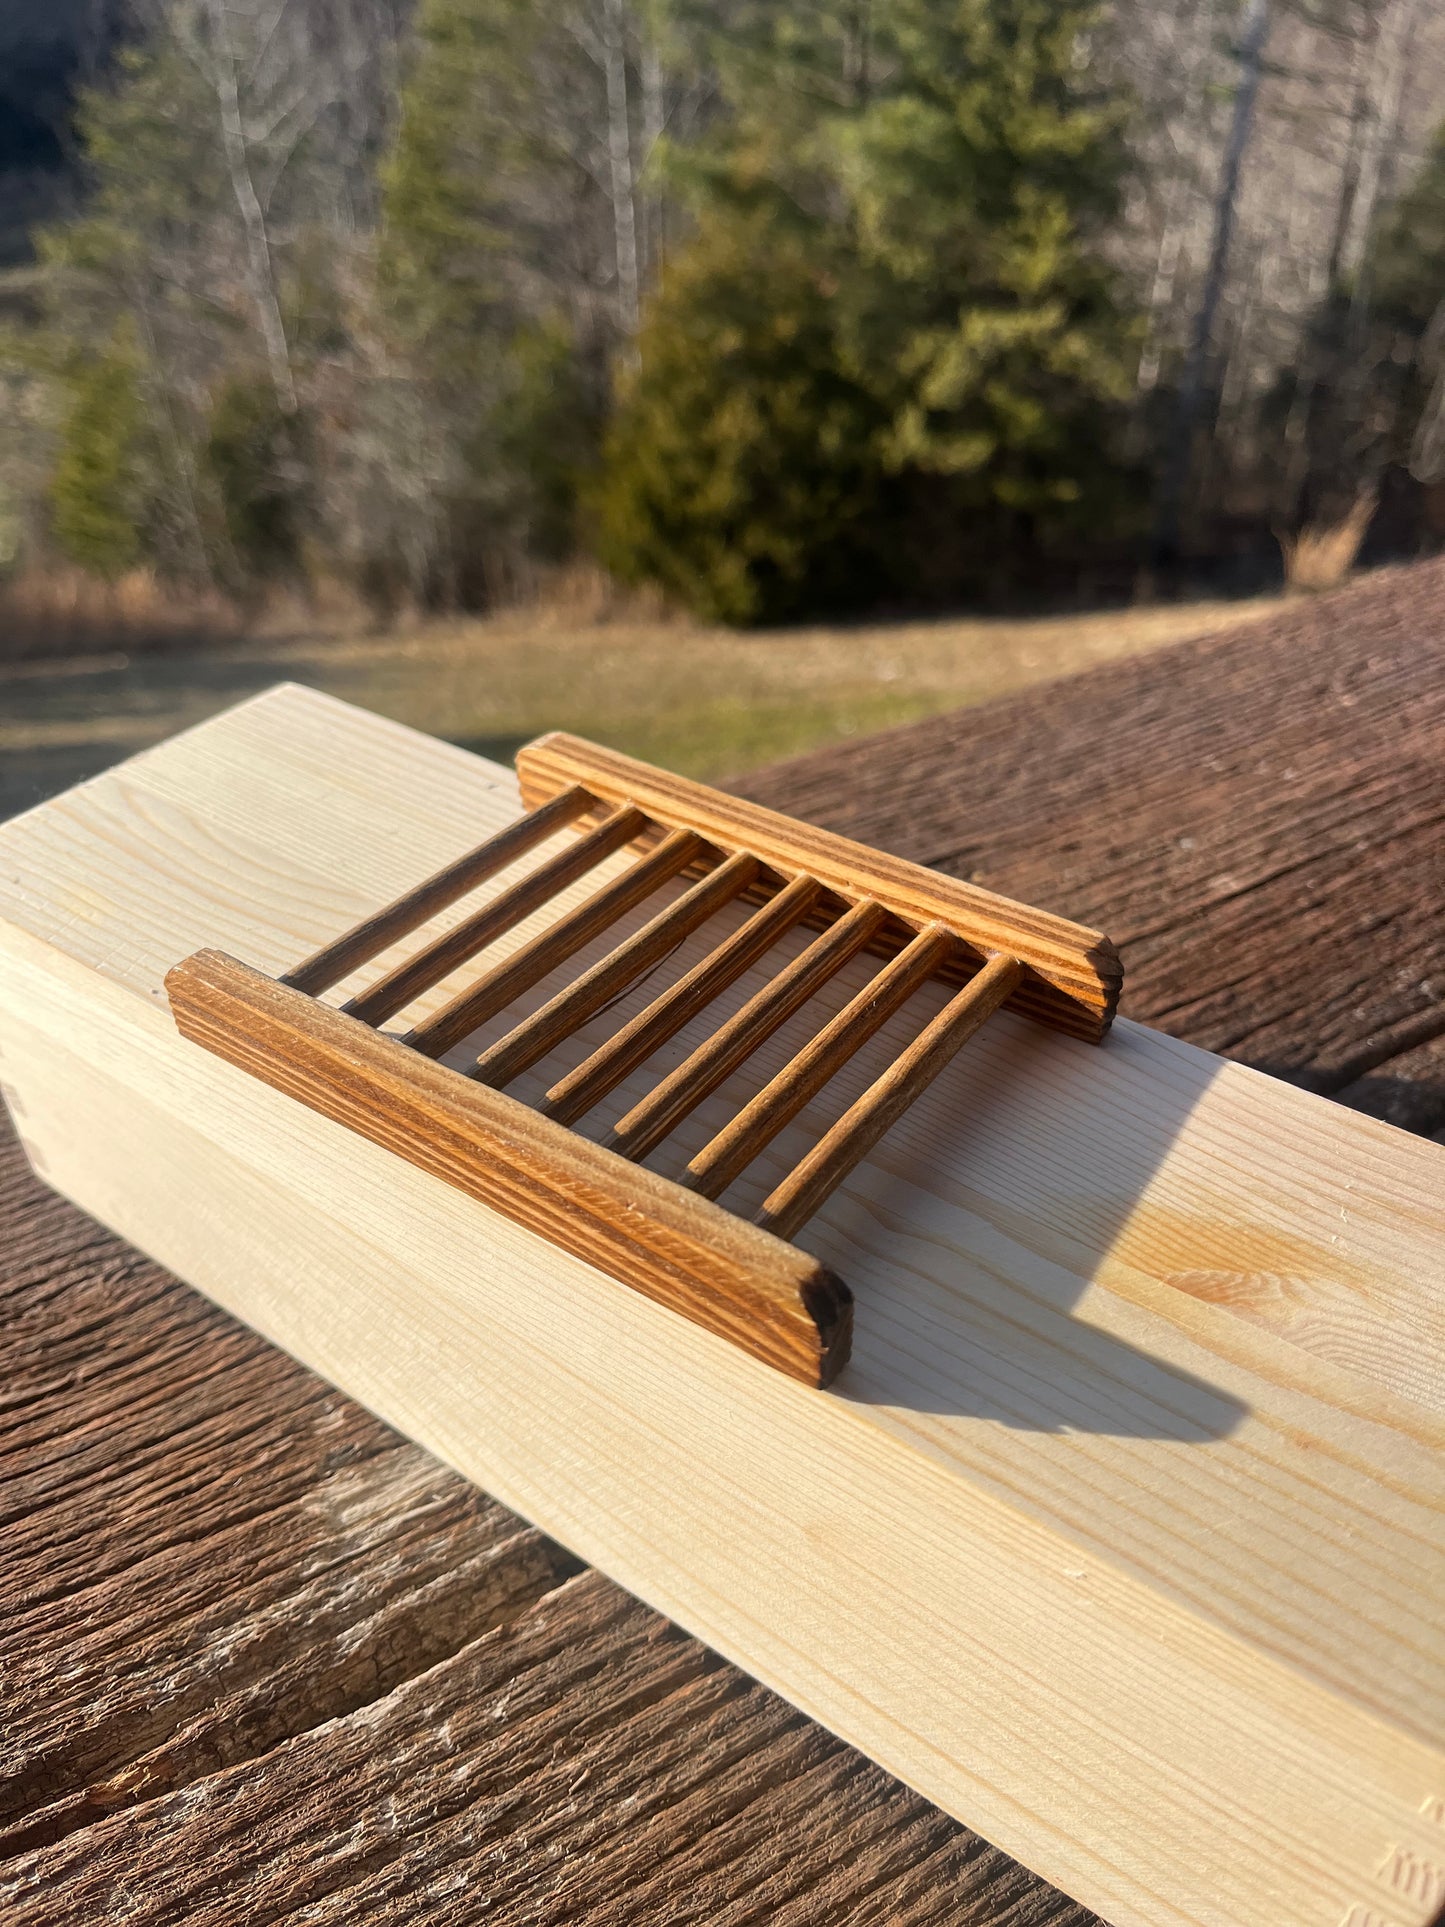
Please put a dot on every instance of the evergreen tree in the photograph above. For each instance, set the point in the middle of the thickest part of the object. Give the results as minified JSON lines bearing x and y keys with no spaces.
{"x":1407,"y":264}
{"x":984,"y":174}
{"x":96,"y":491}
{"x":1408,"y":274}
{"x":445,"y":241}
{"x":742,"y":473}
{"x":947,"y":173}
{"x":215,"y":158}
{"x":256,"y":458}
{"x":129,"y":317}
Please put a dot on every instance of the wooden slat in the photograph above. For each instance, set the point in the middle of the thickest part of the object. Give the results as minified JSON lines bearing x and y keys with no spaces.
{"x":575,"y":1094}
{"x":663,"y":1109}
{"x":790,"y":1205}
{"x":607,"y":979}
{"x":1072,"y":974}
{"x":554,"y":945}
{"x":494,"y":919}
{"x":368,"y":939}
{"x":693,"y":1257}
{"x":758,"y":1123}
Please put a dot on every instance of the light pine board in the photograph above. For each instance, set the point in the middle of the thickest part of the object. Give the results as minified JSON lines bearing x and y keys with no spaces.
{"x":1121,"y":1537}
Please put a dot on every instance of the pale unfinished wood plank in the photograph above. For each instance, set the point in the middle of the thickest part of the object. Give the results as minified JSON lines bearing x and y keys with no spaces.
{"x":241,"y":1557}
{"x":1296,"y":1761}
{"x":417,"y":906}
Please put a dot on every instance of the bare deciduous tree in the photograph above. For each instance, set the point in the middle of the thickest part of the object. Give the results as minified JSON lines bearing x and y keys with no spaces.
{"x":1254,"y":36}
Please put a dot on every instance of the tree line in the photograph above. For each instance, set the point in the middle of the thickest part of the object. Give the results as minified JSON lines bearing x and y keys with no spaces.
{"x":786,"y":310}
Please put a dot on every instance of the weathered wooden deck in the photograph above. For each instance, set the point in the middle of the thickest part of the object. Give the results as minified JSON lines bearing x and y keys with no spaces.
{"x":266,"y":1662}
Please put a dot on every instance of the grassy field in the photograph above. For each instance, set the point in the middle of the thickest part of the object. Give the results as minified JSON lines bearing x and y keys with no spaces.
{"x":706,"y":702}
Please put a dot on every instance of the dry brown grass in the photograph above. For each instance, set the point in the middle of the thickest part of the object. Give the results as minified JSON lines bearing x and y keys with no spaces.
{"x":1322,"y":554}
{"x":59,"y":611}
{"x":707,"y":702}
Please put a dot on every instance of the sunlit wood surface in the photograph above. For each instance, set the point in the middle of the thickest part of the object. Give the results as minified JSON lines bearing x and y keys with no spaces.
{"x":1120,"y":1539}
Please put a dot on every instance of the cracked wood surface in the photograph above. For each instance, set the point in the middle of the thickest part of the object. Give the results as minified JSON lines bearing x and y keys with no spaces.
{"x":268,"y":1662}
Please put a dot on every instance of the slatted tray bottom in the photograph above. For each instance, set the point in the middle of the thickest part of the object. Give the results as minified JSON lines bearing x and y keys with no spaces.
{"x":668,"y":1238}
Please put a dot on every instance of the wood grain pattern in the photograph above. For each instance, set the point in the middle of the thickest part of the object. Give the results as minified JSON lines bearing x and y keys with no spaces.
{"x":497,"y":987}
{"x":634,"y":1041}
{"x":1122,"y":1533}
{"x":1073,"y":974}
{"x":929,"y":951}
{"x":437,"y":959}
{"x":237,"y":1679}
{"x":644,"y":1127}
{"x":609,"y":977}
{"x":378,"y":932}
{"x":721,"y":1159}
{"x":746,"y":1286}
{"x":1254,"y":816}
{"x":813,"y":1181}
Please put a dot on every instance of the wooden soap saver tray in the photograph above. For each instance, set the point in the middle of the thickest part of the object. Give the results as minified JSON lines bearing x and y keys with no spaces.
{"x":668,"y":1239}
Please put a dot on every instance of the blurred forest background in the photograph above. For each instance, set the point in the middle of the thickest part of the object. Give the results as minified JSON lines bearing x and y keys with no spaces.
{"x":777,"y":311}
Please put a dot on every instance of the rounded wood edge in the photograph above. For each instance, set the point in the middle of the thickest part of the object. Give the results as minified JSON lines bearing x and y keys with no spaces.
{"x":754,"y":1290}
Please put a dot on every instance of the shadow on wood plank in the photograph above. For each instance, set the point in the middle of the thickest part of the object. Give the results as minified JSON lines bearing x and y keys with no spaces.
{"x":978,"y":1319}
